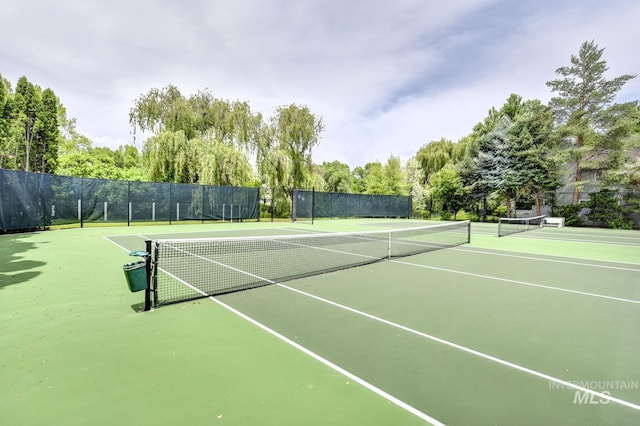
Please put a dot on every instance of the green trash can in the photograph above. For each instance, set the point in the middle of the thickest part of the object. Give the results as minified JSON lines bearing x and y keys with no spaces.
{"x":136,"y":274}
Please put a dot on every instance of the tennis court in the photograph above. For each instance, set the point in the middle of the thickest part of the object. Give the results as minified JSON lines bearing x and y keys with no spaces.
{"x":539,"y":327}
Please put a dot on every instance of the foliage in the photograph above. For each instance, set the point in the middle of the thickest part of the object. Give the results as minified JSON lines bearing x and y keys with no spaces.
{"x":284,"y":151}
{"x":445,"y":186}
{"x":103,"y":163}
{"x":436,"y":154}
{"x":516,"y":151}
{"x":415,"y":181}
{"x":570,"y":213}
{"x":585,"y":111}
{"x":337,"y":177}
{"x":29,"y":130}
{"x":607,"y":208}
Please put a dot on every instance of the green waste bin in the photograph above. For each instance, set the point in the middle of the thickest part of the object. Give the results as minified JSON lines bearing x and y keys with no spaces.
{"x":136,"y":274}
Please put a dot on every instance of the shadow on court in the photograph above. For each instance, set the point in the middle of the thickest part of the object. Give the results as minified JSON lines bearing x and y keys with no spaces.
{"x":13,"y":268}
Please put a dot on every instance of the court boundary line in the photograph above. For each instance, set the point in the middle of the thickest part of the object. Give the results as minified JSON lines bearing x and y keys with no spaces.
{"x":462,"y":348}
{"x":472,"y":274}
{"x":394,"y":400}
{"x":525,"y":283}
{"x":529,"y":236}
{"x":381,"y":392}
{"x":531,"y":256}
{"x":369,"y":386}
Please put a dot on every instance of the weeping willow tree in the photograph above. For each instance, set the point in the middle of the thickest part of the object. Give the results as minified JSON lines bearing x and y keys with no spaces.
{"x":200,"y":139}
{"x":203,"y":139}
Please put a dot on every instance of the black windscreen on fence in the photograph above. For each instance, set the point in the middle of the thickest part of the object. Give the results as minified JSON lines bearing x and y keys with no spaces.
{"x":314,"y":204}
{"x":36,"y":200}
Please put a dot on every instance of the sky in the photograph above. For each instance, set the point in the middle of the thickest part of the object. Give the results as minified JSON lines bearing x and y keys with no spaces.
{"x":386,"y":77}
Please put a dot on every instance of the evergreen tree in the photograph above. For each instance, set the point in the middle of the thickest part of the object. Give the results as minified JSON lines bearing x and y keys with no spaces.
{"x":494,"y":161}
{"x":584,"y":109}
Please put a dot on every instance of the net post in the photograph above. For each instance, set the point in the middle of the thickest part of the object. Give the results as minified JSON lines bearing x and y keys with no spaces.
{"x":170,"y":202}
{"x":147,"y":291}
{"x":389,"y":246}
{"x":294,"y":205}
{"x":129,"y":202}
{"x":468,"y":232}
{"x":313,"y":204}
{"x":257,"y":202}
{"x":80,"y":201}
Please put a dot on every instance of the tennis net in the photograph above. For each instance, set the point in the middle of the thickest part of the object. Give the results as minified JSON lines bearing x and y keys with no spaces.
{"x":188,"y":269}
{"x":513,"y":225}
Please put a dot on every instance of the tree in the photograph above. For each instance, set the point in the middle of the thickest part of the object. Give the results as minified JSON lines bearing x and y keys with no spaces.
{"x":446,"y":187}
{"x":95,"y":163}
{"x":533,"y":167}
{"x":27,"y":105}
{"x":437,"y":154}
{"x":415,"y":181}
{"x":7,"y":160}
{"x":31,"y":133}
{"x":285,"y":147}
{"x":583,"y":108}
{"x":162,"y":110}
{"x":395,"y":180}
{"x":200,"y":139}
{"x":494,"y":161}
{"x":337,"y":177}
{"x":47,"y":134}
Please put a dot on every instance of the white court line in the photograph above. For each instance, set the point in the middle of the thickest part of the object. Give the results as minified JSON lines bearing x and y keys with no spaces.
{"x":306,"y":351}
{"x":410,"y":330}
{"x":470,"y":351}
{"x":314,"y":355}
{"x":529,"y":235}
{"x":489,"y":277}
{"x":118,"y":245}
{"x":334,"y":367}
{"x":545,"y":259}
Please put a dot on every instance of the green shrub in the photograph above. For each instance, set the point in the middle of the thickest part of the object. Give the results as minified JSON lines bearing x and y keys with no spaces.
{"x":606,"y":208}
{"x":446,"y":216}
{"x":570,"y":214}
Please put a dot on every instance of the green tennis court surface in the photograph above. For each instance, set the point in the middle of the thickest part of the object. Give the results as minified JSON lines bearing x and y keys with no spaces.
{"x":540,"y":327}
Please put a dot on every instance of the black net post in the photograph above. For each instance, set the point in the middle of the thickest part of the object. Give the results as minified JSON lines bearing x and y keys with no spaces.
{"x":313,"y":204}
{"x":81,"y":203}
{"x":257,"y":201}
{"x":128,"y":203}
{"x":294,"y":205}
{"x":273,"y":206}
{"x":147,"y":291}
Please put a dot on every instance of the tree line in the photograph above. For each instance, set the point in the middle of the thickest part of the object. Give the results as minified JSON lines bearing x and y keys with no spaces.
{"x":523,"y":149}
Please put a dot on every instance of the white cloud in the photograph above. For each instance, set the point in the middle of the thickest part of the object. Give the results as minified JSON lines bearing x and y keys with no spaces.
{"x":387,"y":77}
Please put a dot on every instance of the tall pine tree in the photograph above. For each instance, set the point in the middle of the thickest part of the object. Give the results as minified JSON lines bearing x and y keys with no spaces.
{"x":584,"y":109}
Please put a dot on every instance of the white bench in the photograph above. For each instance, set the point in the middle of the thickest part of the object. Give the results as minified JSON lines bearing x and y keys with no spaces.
{"x":554,"y":221}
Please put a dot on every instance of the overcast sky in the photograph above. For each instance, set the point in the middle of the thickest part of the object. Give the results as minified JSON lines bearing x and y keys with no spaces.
{"x":385,"y":76}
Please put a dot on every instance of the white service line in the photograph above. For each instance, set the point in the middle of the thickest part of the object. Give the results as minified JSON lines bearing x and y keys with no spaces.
{"x":507,"y":280}
{"x":333,"y":366}
{"x":470,"y":351}
{"x":544,"y":259}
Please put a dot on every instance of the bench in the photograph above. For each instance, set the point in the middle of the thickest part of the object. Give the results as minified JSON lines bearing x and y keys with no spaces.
{"x":554,"y":221}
